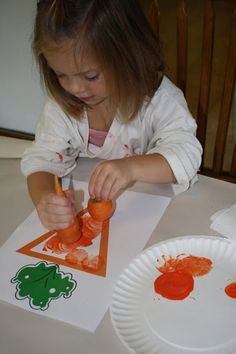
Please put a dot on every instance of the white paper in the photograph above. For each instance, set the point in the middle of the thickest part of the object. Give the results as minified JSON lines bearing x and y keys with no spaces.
{"x":224,"y":222}
{"x":131,"y":226}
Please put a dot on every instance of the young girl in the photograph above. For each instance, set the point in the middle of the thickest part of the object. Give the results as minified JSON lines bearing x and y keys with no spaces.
{"x":108,"y":98}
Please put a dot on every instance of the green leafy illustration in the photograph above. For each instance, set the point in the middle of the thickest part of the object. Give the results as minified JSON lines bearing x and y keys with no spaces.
{"x":41,"y":283}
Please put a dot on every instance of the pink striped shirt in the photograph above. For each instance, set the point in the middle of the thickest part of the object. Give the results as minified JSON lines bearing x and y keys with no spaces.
{"x":97,"y":137}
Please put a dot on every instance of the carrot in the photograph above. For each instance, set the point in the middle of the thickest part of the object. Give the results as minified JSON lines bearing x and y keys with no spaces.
{"x":72,"y":233}
{"x":100,"y":210}
{"x":58,"y":188}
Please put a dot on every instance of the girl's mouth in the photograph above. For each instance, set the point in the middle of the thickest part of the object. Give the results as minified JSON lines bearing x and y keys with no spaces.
{"x":86,"y":99}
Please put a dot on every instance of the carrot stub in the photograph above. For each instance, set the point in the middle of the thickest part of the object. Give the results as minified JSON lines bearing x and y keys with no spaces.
{"x":73,"y":232}
{"x":100,"y":210}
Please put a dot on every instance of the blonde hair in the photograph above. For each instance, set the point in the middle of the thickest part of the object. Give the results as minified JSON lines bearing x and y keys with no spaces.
{"x":117,"y":34}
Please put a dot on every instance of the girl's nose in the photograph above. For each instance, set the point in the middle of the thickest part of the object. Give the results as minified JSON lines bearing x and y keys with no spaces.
{"x":75,"y":86}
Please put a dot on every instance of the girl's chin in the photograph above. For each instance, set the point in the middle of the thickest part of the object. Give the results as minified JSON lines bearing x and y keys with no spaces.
{"x":94,"y":102}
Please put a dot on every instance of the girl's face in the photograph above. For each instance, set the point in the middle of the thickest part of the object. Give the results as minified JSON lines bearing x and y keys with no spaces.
{"x":84,"y":80}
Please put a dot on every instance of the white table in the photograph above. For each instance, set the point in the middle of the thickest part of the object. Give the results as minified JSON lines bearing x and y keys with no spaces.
{"x":23,"y":332}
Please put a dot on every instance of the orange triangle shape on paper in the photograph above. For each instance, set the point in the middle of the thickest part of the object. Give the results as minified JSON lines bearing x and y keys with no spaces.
{"x":99,"y":269}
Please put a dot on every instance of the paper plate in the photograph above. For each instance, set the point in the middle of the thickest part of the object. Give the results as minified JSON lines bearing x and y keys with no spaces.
{"x":204,"y":322}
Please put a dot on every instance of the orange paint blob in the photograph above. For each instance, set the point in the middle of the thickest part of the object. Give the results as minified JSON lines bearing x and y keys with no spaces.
{"x":93,"y":263}
{"x":82,"y":258}
{"x":230,"y":290}
{"x":169,"y":265}
{"x":76,"y":256}
{"x":177,"y":282}
{"x":196,"y":266}
{"x":174,"y":285}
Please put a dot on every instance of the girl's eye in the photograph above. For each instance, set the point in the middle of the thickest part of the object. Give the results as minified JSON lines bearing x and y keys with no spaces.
{"x":92,"y":78}
{"x":59,"y":76}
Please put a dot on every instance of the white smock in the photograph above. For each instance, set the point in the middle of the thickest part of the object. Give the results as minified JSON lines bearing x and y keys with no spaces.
{"x":163,"y":126}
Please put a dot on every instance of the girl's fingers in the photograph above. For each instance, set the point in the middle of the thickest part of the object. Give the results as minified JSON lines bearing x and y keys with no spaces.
{"x":107,"y":187}
{"x":56,"y":199}
{"x":56,"y":221}
{"x":102,"y":179}
{"x":107,"y":179}
{"x":70,"y":195}
{"x":52,"y":226}
{"x":115,"y":188}
{"x":92,"y":182}
{"x":59,"y":210}
{"x":56,"y":212}
{"x":102,"y":184}
{"x":59,"y":218}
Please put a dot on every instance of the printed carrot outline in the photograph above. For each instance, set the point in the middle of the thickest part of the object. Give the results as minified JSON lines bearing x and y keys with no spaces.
{"x":103,"y":249}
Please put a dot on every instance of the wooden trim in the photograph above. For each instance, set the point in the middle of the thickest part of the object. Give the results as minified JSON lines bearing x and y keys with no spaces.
{"x":206,"y":70}
{"x":182,"y":46}
{"x":225,"y":176}
{"x":233,"y":165}
{"x":155,"y":17}
{"x":226,"y":103}
{"x":206,"y":73}
{"x":16,"y":134}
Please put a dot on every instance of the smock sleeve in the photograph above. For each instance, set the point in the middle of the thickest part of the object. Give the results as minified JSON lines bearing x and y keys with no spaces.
{"x":57,"y":143}
{"x":171,"y":132}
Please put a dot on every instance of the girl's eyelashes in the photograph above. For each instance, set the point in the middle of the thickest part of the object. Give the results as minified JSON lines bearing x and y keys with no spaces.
{"x":89,"y":78}
{"x":92,"y":78}
{"x":60,"y":76}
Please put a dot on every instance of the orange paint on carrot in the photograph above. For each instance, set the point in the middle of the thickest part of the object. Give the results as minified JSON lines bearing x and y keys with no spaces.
{"x":230,"y":290}
{"x":177,"y":282}
{"x":71,"y":233}
{"x":174,"y":285}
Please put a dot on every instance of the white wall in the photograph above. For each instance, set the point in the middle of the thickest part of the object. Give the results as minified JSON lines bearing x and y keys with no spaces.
{"x":21,"y":96}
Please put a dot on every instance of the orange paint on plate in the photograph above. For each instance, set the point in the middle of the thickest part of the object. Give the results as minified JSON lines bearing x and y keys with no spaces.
{"x":230,"y":290}
{"x":177,"y":282}
{"x":196,"y":266}
{"x":174,"y":285}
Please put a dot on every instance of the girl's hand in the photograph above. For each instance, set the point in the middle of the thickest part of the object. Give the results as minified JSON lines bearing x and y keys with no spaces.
{"x":56,"y":212}
{"x":109,"y":177}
